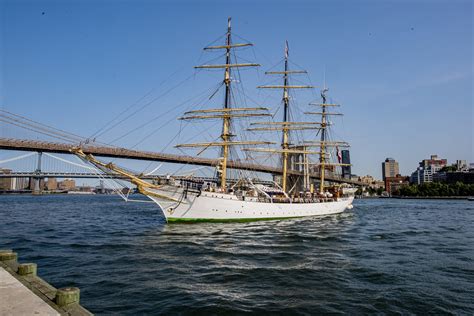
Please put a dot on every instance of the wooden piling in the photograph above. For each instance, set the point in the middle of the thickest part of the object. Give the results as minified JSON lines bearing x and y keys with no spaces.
{"x":8,"y":255}
{"x":67,"y":295}
{"x":65,"y":300}
{"x":27,"y":269}
{"x":10,"y":258}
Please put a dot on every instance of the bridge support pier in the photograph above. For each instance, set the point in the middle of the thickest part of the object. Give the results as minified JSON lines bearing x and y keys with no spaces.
{"x":37,"y":179}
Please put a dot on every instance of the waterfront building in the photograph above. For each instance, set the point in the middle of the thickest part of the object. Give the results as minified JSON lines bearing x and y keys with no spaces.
{"x":434,"y":161}
{"x":378,"y":184}
{"x":461,"y":165}
{"x":101,"y":188}
{"x":32,"y":182}
{"x":394,"y":183}
{"x":427,"y":170}
{"x":390,"y":168}
{"x":52,"y":184}
{"x":439,"y":176}
{"x":85,"y":188}
{"x":67,"y":185}
{"x":6,"y":183}
{"x":458,"y":172}
{"x":368,"y":179}
{"x":421,"y":175}
{"x":354,"y":177}
{"x":20,"y":184}
{"x":346,"y":159}
{"x":372,"y":182}
{"x":466,"y":177}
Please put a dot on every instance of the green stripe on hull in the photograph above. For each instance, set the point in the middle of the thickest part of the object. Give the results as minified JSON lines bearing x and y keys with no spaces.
{"x":225,"y":220}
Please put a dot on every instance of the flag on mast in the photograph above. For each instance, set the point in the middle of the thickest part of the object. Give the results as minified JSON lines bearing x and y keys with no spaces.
{"x":286,"y":49}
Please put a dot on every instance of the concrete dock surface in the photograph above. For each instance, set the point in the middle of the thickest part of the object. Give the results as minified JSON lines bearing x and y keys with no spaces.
{"x":17,"y":299}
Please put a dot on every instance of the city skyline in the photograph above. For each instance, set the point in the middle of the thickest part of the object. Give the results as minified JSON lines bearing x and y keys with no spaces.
{"x":105,"y":57}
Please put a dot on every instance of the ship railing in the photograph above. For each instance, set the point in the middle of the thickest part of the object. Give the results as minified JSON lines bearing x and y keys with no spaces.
{"x":190,"y":185}
{"x":261,"y":191}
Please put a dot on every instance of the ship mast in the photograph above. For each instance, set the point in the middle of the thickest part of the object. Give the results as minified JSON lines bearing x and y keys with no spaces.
{"x":227,"y":112}
{"x":322,"y":156}
{"x":226,"y":122}
{"x":286,"y":132}
{"x":286,"y":124}
{"x":324,"y":144}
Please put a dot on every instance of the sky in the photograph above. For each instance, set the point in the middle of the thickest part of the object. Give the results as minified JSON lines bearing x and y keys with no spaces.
{"x":402,"y":70}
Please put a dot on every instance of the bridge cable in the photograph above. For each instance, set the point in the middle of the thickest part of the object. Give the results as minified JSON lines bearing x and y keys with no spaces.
{"x":36,"y":131}
{"x":69,"y":162}
{"x":17,"y":158}
{"x":135,"y":103}
{"x":144,"y":106}
{"x":18,"y":118}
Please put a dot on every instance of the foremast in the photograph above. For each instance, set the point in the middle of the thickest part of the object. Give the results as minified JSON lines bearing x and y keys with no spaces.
{"x":227,"y":113}
{"x":226,"y":121}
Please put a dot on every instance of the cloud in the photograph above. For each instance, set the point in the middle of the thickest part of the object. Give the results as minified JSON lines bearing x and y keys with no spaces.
{"x":444,"y":79}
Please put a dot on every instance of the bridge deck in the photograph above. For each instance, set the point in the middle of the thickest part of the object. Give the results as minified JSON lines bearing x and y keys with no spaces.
{"x":117,"y":152}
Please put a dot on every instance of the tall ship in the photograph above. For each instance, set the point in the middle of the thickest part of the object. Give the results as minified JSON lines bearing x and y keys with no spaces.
{"x":290,"y":194}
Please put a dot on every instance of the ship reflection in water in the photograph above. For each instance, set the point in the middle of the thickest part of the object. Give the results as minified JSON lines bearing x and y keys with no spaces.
{"x":393,"y":256}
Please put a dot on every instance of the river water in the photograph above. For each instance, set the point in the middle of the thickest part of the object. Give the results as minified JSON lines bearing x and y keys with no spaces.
{"x":384,"y":256}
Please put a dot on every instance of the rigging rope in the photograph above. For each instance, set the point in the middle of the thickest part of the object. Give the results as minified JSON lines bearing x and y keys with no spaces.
{"x":114,"y":183}
{"x":153,"y":171}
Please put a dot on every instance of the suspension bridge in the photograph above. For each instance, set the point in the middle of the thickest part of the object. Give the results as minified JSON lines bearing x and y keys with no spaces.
{"x":39,"y":150}
{"x":47,"y":159}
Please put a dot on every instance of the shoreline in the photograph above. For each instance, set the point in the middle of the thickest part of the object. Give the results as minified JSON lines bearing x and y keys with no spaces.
{"x":415,"y":197}
{"x":428,"y":197}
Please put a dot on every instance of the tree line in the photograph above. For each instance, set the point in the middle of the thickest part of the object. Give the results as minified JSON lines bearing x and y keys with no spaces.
{"x":436,"y":189}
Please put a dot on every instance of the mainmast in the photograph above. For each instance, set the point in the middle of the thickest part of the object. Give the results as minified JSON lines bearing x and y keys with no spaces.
{"x":322,"y":156}
{"x":286,"y":132}
{"x":226,"y":113}
{"x":285,"y":126}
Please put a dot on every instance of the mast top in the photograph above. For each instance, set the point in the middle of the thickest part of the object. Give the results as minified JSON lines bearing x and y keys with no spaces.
{"x":323,"y":93}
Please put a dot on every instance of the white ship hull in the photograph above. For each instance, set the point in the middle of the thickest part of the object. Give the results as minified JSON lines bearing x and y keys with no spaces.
{"x":219,"y":207}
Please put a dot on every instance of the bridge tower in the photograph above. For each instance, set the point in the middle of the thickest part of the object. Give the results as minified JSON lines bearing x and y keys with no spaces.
{"x":37,"y":178}
{"x":102,"y":187}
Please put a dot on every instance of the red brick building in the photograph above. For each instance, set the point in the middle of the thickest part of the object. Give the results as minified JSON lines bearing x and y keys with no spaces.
{"x":394,"y":183}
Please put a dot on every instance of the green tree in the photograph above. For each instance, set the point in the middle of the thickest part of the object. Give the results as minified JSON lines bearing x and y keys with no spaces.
{"x":436,"y":189}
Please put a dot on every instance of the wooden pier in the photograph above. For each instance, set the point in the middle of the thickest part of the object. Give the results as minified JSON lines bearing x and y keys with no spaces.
{"x":22,"y":292}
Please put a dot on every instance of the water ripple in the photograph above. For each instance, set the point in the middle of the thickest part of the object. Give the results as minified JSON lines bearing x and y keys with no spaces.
{"x":384,"y":257}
